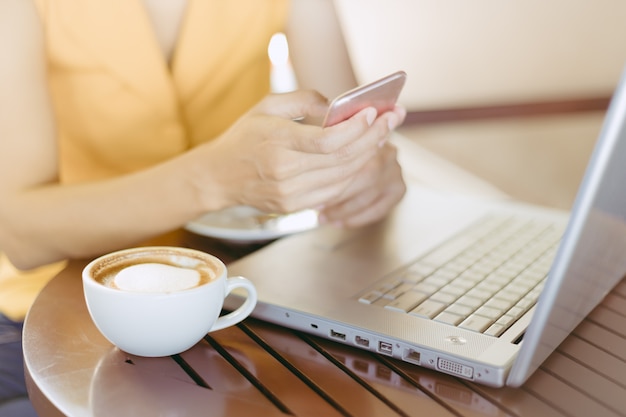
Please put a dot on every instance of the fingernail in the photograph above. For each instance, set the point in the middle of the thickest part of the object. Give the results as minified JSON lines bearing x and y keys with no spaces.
{"x":370,"y":115}
{"x":392,"y":121}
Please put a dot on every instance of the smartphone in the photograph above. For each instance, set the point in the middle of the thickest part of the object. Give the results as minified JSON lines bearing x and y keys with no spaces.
{"x":381,"y":94}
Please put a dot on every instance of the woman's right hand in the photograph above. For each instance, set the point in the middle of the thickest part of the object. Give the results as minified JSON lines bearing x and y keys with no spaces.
{"x":276,"y":164}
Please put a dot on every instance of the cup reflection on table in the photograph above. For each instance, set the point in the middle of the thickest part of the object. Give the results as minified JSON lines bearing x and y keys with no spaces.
{"x":124,"y":386}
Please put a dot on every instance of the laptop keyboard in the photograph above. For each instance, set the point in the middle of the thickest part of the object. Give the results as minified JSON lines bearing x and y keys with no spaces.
{"x":483,"y":279}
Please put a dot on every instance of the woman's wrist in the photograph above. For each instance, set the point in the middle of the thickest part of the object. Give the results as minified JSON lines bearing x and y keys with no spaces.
{"x":202,"y":174}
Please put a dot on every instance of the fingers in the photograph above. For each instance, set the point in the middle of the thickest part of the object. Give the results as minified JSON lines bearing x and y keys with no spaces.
{"x":377,"y":189}
{"x":272,"y":199}
{"x":359,"y":132}
{"x":294,"y":105}
{"x":268,"y":161}
{"x":331,"y":173}
{"x":400,"y":113}
{"x":303,"y":188}
{"x":375,"y":211}
{"x":289,"y":151}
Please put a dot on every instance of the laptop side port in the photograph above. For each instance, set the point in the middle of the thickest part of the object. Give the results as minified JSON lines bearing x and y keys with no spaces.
{"x":337,"y":335}
{"x":385,"y":347}
{"x":412,"y":356}
{"x":361,"y":341}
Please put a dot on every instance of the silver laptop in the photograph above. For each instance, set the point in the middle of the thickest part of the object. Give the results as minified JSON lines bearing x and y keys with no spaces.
{"x":482,"y":290}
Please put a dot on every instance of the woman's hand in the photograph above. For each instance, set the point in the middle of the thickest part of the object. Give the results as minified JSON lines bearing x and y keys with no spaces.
{"x":374,"y":192}
{"x":269,"y":161}
{"x":376,"y":189}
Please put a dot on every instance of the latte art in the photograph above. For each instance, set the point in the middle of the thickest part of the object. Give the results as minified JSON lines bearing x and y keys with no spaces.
{"x":156,"y":277}
{"x":159,"y":271}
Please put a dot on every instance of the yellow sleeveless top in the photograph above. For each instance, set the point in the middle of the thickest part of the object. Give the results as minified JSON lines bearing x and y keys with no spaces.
{"x":120,"y":107}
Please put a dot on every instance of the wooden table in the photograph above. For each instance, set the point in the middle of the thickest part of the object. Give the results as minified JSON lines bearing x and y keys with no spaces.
{"x":259,"y":369}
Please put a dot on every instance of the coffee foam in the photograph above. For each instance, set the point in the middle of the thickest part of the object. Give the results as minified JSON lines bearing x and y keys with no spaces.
{"x":106,"y":271}
{"x":156,"y":277}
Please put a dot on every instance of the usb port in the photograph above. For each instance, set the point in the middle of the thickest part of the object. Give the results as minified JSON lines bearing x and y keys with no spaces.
{"x":361,"y":341}
{"x":385,"y":347}
{"x":337,"y":335}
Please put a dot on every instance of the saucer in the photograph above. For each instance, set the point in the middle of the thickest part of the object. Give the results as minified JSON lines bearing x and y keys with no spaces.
{"x":246,"y":224}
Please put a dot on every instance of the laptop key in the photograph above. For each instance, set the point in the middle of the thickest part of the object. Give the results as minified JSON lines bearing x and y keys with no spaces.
{"x":411,"y":277}
{"x":435,"y":281}
{"x":407,"y":301}
{"x":447,"y":251}
{"x":428,"y":309}
{"x":472,"y":302}
{"x":491,"y":313}
{"x":389,"y":284}
{"x":506,"y":320}
{"x":454,"y":290}
{"x":515,"y":312}
{"x":526,"y":302}
{"x":495,"y":329}
{"x":450,"y":318}
{"x":476,"y":323}
{"x":463,"y":284}
{"x":426,"y":288}
{"x":509,"y":295}
{"x":370,"y":297}
{"x":479,"y":294}
{"x":443,"y":297}
{"x":396,"y":292}
{"x":499,"y":304}
{"x":422,"y":269}
{"x":460,"y":310}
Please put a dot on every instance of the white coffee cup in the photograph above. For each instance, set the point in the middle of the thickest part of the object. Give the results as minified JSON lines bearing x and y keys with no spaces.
{"x":159,"y":301}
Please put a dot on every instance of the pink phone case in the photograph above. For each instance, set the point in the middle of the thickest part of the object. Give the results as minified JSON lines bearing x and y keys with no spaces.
{"x":381,"y":94}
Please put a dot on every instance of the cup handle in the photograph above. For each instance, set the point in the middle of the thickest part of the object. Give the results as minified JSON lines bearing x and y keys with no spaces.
{"x":242,"y":311}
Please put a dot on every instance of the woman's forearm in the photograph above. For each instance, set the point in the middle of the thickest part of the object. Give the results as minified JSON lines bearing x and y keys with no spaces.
{"x":51,"y":222}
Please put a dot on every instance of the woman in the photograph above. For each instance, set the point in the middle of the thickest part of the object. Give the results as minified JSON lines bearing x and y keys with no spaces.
{"x":124,"y":119}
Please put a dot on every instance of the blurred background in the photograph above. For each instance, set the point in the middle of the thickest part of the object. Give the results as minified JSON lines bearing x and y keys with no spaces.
{"x":513,"y":91}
